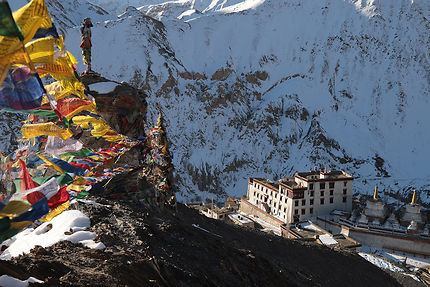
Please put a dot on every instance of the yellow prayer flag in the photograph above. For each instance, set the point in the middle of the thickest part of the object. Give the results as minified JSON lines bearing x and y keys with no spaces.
{"x":8,"y":59}
{"x":100,"y":128}
{"x":91,"y":108}
{"x":29,"y":18}
{"x":14,"y":208}
{"x":41,"y":51}
{"x":20,"y":225}
{"x":114,"y":138}
{"x":58,"y":210}
{"x":56,"y":167}
{"x":79,"y":180}
{"x":55,"y":90}
{"x":45,"y":129}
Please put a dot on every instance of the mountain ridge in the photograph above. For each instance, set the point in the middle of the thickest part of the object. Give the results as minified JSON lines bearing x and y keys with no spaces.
{"x":345,"y":86}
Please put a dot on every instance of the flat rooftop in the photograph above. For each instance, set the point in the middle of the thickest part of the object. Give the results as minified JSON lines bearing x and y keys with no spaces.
{"x":331,"y":174}
{"x":290,"y":181}
{"x":266,"y":181}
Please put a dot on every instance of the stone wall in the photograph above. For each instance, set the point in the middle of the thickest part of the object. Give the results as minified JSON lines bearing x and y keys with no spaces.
{"x":410,"y":244}
{"x":251,"y":209}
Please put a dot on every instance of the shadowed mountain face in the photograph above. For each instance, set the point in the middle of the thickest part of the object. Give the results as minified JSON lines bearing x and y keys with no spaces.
{"x":147,"y":248}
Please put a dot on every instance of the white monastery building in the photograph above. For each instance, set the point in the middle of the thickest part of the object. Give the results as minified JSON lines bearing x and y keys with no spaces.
{"x":306,"y":195}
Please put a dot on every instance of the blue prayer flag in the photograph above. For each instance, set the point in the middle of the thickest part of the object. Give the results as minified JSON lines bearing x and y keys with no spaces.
{"x":21,"y":90}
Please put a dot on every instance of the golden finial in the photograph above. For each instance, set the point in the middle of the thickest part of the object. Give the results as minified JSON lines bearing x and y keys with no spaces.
{"x":414,"y":198}
{"x":375,"y":193}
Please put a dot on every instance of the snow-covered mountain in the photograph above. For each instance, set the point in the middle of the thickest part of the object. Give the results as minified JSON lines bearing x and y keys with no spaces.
{"x":268,"y":87}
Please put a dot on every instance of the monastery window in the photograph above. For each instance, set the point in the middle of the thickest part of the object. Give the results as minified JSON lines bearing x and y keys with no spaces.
{"x":311,"y":210}
{"x":344,"y":199}
{"x":280,"y":198}
{"x":344,"y":191}
{"x":270,"y":201}
{"x":296,"y":203}
{"x":312,"y":193}
{"x":303,"y":211}
{"x":322,"y":201}
{"x":322,"y":185}
{"x":311,"y":186}
{"x":255,"y":185}
{"x":274,"y":204}
{"x":331,"y":185}
{"x":311,"y":201}
{"x":296,"y":211}
{"x":331,"y":192}
{"x":344,"y":183}
{"x":331,"y":199}
{"x":285,"y":209}
{"x":303,"y":202}
{"x":276,"y":195}
{"x":254,"y":193}
{"x":322,"y":192}
{"x":265,"y":199}
{"x":280,"y":207}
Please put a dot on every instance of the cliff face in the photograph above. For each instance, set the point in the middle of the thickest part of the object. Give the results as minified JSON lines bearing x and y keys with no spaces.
{"x":265,"y":88}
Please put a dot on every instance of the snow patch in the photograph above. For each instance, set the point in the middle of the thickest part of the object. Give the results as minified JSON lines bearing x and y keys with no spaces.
{"x":103,"y":87}
{"x":7,"y":281}
{"x":310,"y":226}
{"x":69,"y":225}
{"x":381,"y":263}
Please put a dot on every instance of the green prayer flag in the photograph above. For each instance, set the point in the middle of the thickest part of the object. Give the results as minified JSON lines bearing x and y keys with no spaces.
{"x":4,"y":224}
{"x":50,"y":114}
{"x":64,"y":179}
{"x":84,"y":152}
{"x":8,"y":26}
{"x":8,"y":234}
{"x":82,"y":194}
{"x":61,"y":179}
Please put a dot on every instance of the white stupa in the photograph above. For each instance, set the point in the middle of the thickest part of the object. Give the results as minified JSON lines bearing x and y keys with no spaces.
{"x":375,"y":210}
{"x":412,"y":212}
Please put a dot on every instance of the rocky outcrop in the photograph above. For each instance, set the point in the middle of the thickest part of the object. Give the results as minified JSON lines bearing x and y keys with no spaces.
{"x":121,"y":105}
{"x":221,"y":74}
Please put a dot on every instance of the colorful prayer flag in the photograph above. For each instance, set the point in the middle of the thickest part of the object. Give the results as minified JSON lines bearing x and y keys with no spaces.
{"x":56,"y":146}
{"x":45,"y":129}
{"x":21,"y":90}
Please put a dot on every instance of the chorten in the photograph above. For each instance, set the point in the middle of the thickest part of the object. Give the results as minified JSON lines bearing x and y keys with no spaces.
{"x":375,"y":210}
{"x":412,"y":212}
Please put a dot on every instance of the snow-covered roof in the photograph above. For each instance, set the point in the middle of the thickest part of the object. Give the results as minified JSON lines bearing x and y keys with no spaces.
{"x":240,"y":218}
{"x":327,"y":239}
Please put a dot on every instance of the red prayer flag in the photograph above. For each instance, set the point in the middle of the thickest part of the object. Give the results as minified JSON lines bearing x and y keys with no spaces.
{"x":59,"y":198}
{"x":26,"y":181}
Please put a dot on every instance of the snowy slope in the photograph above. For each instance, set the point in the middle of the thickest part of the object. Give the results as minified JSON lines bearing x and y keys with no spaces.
{"x":69,"y":13}
{"x":265,"y":88}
